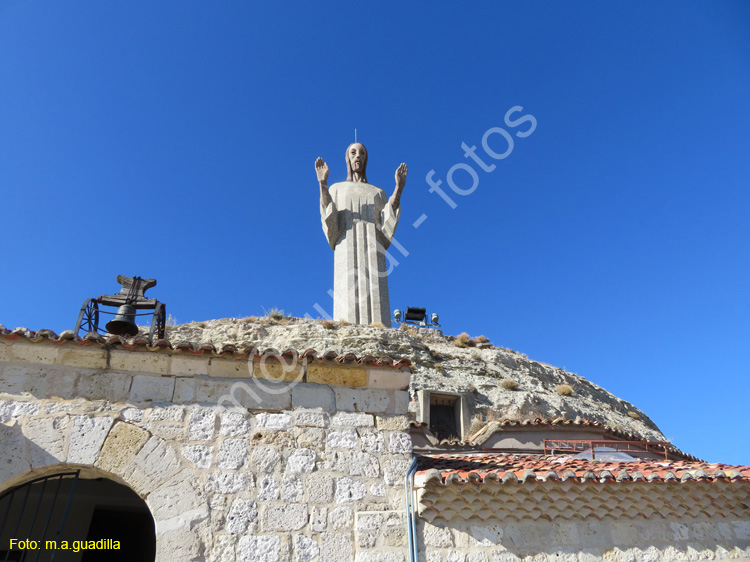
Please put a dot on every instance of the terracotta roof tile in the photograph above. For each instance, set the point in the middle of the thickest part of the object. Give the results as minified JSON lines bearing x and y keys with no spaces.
{"x":227,"y":350}
{"x":480,"y":468}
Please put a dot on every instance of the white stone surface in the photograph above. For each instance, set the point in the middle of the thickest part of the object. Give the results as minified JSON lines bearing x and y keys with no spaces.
{"x":301,"y":460}
{"x":305,"y":395}
{"x":305,"y":549}
{"x":284,"y":517}
{"x":351,"y":419}
{"x":242,"y":516}
{"x":399,"y":443}
{"x":343,"y":439}
{"x":265,"y":458}
{"x":292,"y":489}
{"x":232,"y":453}
{"x":311,"y":418}
{"x":273,"y":421}
{"x":336,"y":547}
{"x":149,"y":388}
{"x":268,"y":488}
{"x":234,"y":424}
{"x":86,"y":438}
{"x":47,"y":438}
{"x":199,"y":455}
{"x":202,"y":424}
{"x":227,"y":482}
{"x":259,"y":549}
{"x":348,"y":490}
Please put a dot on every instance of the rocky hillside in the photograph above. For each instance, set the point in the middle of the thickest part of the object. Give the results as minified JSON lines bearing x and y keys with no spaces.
{"x":506,"y":384}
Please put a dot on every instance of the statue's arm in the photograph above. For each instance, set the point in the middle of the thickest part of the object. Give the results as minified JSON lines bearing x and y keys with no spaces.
{"x":395,"y":199}
{"x":328,"y":213}
{"x":392,"y":209}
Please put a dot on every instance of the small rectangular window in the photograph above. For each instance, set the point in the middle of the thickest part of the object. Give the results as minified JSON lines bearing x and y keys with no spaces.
{"x":444,"y":416}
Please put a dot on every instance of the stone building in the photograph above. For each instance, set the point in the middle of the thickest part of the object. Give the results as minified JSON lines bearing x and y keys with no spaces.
{"x":193,"y":451}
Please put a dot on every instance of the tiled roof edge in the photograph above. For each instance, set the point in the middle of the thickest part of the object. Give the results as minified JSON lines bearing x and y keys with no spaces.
{"x":194,"y":348}
{"x":525,"y":468}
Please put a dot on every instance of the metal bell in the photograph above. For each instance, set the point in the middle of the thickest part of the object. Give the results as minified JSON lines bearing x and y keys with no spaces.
{"x":123,"y":324}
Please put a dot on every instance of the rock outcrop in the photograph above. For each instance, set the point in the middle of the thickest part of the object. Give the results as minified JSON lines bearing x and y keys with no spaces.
{"x":504,"y":383}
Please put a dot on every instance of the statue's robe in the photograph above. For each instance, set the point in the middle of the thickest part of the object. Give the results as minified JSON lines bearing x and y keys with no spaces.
{"x":359,"y":224}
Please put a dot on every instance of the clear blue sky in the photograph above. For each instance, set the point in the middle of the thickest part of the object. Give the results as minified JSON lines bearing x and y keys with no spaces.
{"x":176,"y":140}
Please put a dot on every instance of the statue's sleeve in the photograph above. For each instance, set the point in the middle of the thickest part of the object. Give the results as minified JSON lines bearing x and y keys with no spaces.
{"x":329,"y":216}
{"x":389,"y":221}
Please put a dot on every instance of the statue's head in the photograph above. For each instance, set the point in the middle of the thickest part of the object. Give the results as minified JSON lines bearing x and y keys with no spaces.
{"x":356,"y":161}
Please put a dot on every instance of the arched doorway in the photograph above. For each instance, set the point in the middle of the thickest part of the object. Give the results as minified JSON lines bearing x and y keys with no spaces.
{"x":63,"y":517}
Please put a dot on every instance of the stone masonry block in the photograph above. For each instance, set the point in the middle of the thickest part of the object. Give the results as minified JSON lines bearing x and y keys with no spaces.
{"x":234,"y":424}
{"x":242,"y":515}
{"x":351,"y":419}
{"x":108,"y":385}
{"x":301,"y":460}
{"x":227,"y":482}
{"x":348,"y":490}
{"x":305,"y":548}
{"x":35,"y":353}
{"x":202,"y":424}
{"x":140,"y":361}
{"x":180,"y":494}
{"x":399,"y":443}
{"x":288,"y":370}
{"x":265,"y":395}
{"x":393,"y":423}
{"x":182,"y":366}
{"x":230,"y":368}
{"x":318,"y":518}
{"x":148,"y":388}
{"x":184,"y":391}
{"x":268,"y":489}
{"x":319,"y":489}
{"x":292,"y":489}
{"x":199,"y":455}
{"x":388,"y":379}
{"x":15,"y":453}
{"x":123,"y":443}
{"x":401,"y":401}
{"x":47,"y":439}
{"x":14,"y":409}
{"x":362,"y":400}
{"x":341,"y":517}
{"x":87,"y":437}
{"x":311,"y":418}
{"x":285,"y":517}
{"x":259,"y":548}
{"x":343,"y":439}
{"x":179,"y":542}
{"x":266,"y":420}
{"x":86,"y":358}
{"x":232,"y":453}
{"x":306,"y":395}
{"x":341,"y":375}
{"x":336,"y":547}
{"x":154,"y":464}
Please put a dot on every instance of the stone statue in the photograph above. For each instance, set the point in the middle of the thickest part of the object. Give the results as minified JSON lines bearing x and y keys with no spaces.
{"x":359,"y":222}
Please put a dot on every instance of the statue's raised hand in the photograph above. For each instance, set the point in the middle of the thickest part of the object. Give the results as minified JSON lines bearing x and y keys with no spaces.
{"x":321,"y":168}
{"x":401,"y":176}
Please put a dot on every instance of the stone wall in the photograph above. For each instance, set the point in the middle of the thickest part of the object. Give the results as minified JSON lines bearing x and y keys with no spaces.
{"x":243,"y":459}
{"x":644,"y":540}
{"x":232,"y":467}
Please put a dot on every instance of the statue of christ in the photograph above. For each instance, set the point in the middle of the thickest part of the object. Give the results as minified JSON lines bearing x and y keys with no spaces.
{"x":359,"y":222}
